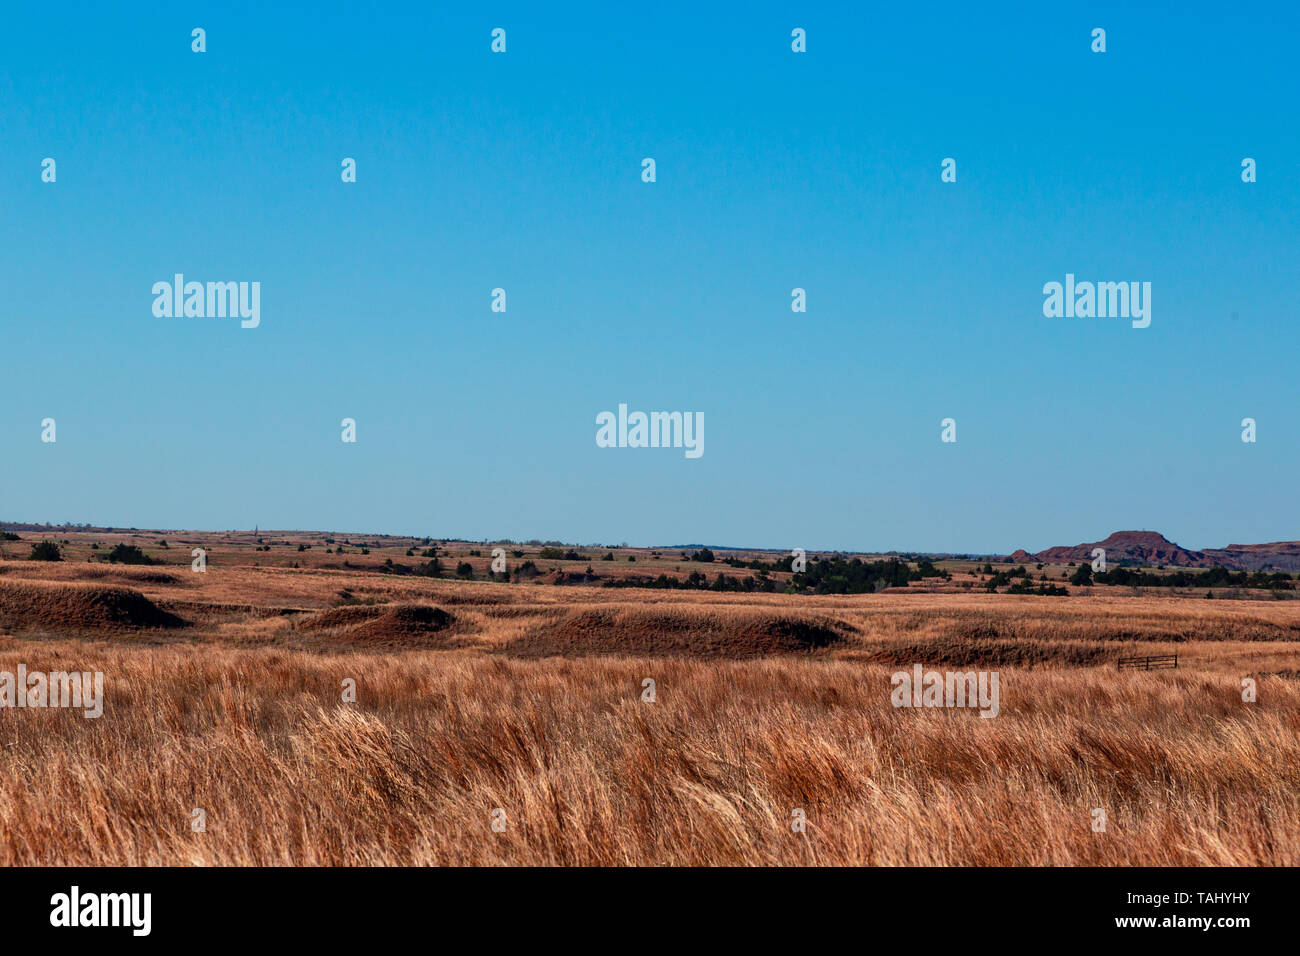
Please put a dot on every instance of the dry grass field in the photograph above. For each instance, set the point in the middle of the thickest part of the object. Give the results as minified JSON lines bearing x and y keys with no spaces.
{"x":225,"y":692}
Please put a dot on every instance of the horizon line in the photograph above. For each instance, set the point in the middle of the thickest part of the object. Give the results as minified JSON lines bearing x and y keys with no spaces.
{"x":257,"y":529}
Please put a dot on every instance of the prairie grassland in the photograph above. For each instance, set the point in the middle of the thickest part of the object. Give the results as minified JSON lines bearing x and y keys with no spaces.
{"x":587,"y":773}
{"x":224,"y":693}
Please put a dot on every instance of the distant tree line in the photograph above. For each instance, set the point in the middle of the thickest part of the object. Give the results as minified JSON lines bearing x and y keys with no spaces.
{"x":840,"y":576}
{"x":698,"y":581}
{"x":1019,"y":581}
{"x":822,"y":576}
{"x":1214,"y":578}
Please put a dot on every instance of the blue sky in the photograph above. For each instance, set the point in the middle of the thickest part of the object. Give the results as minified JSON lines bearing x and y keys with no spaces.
{"x":775,"y":170}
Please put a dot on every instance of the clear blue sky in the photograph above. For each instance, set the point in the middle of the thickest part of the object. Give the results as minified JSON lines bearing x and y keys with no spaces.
{"x":775,"y":170}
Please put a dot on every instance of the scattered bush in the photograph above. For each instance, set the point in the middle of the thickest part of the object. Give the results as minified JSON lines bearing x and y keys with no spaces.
{"x":46,"y":551}
{"x":130,"y":554}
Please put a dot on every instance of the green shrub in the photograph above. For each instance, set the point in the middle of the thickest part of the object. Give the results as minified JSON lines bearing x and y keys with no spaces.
{"x":130,"y":554}
{"x":46,"y":551}
{"x":430,"y":569}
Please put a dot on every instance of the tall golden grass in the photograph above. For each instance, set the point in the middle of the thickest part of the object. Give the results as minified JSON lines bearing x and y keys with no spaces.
{"x":588,"y":773}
